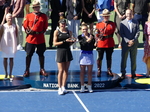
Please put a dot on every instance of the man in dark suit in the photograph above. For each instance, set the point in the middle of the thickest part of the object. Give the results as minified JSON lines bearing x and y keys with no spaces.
{"x":129,"y":31}
{"x":58,"y":9}
{"x":74,"y":10}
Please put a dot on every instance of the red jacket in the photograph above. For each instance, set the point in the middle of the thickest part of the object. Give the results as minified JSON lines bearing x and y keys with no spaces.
{"x":109,"y":30}
{"x":40,"y":25}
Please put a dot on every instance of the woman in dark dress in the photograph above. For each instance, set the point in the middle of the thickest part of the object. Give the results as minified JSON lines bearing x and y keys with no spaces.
{"x":63,"y":40}
{"x":120,"y":8}
{"x":4,"y":9}
{"x":88,"y":15}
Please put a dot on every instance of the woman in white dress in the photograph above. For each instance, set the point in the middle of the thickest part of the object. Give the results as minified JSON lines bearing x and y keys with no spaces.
{"x":8,"y":44}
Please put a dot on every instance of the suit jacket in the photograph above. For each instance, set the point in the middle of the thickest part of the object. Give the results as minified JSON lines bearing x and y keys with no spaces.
{"x":126,"y":34}
{"x":70,"y":9}
{"x":18,"y":8}
{"x":57,"y":7}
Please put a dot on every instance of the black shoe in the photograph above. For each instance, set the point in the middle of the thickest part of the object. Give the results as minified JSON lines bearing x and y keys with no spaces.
{"x":43,"y":72}
{"x":26,"y":74}
{"x":134,"y":76}
{"x":123,"y":76}
{"x":148,"y":76}
{"x":109,"y":72}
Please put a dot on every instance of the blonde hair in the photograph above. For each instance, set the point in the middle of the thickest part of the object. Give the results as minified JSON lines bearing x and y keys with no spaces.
{"x":84,"y":24}
{"x":8,"y":15}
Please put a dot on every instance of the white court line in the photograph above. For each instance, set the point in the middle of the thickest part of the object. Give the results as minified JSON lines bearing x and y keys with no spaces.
{"x":80,"y":101}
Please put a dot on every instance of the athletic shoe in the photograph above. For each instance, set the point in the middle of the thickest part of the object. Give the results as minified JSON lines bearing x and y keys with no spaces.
{"x":82,"y":89}
{"x":90,"y":88}
{"x":60,"y":92}
{"x":64,"y":90}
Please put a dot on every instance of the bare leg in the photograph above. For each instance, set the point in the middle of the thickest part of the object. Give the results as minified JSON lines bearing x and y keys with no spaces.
{"x":65,"y":73}
{"x":5,"y":67}
{"x":11,"y":63}
{"x":148,"y":66}
{"x":60,"y":73}
{"x":91,"y":28}
{"x":90,"y":67}
{"x":82,"y":72}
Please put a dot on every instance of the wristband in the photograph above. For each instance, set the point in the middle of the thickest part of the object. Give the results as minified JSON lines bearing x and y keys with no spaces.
{"x":64,"y":41}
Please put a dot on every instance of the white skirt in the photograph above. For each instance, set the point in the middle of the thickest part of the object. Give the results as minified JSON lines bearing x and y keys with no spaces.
{"x":10,"y":53}
{"x":86,"y":59}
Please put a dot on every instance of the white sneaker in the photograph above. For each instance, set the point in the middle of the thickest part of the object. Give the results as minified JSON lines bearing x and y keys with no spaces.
{"x":19,"y":47}
{"x":82,"y":89}
{"x":90,"y":88}
{"x":5,"y":78}
{"x":64,"y":90}
{"x":60,"y":92}
{"x":11,"y":79}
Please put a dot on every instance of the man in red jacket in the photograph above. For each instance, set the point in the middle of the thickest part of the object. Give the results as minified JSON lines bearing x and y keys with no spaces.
{"x":105,"y":42}
{"x":35,"y":24}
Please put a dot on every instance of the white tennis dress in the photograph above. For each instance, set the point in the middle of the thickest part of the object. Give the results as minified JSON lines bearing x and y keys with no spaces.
{"x":8,"y":42}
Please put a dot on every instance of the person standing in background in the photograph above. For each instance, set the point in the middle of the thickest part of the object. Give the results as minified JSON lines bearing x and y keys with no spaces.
{"x":129,"y":32}
{"x":146,"y":57}
{"x":86,"y":60}
{"x":103,"y":4}
{"x":18,"y":15}
{"x":58,"y":10}
{"x":44,"y":6}
{"x":140,"y":9}
{"x":4,"y":9}
{"x":120,"y":8}
{"x":74,"y":9}
{"x":27,"y":6}
{"x":88,"y":15}
{"x":8,"y":45}
{"x":35,"y":24}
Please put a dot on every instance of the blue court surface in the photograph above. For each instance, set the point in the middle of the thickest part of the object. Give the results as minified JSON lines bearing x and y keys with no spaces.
{"x":102,"y":100}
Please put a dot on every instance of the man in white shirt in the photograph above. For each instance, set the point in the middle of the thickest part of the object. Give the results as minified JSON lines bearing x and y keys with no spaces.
{"x":129,"y":31}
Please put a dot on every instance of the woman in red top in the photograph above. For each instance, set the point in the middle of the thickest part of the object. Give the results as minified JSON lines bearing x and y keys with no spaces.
{"x":105,"y":41}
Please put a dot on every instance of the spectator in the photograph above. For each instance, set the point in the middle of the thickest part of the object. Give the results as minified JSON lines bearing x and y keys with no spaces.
{"x":44,"y":6}
{"x":88,"y":15}
{"x":4,"y":9}
{"x":120,"y":8}
{"x":27,"y":6}
{"x":146,"y":57}
{"x":58,"y":10}
{"x":140,"y":9}
{"x":104,"y":4}
{"x":18,"y":15}
{"x":74,"y":9}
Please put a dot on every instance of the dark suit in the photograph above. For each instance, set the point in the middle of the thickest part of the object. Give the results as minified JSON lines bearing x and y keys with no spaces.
{"x":56,"y":7}
{"x":126,"y":36}
{"x":70,"y":9}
